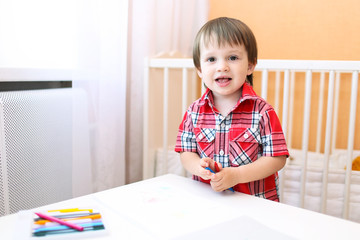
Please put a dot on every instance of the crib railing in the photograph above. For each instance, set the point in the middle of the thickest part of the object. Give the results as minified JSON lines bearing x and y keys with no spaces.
{"x":285,"y":80}
{"x":185,"y":65}
{"x":332,"y":67}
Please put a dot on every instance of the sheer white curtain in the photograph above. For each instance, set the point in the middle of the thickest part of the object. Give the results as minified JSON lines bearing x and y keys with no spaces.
{"x":114,"y":38}
{"x":155,"y":26}
{"x":102,"y":72}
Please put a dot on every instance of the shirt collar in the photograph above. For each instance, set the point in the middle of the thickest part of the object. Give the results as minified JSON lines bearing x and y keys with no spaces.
{"x":247,"y":93}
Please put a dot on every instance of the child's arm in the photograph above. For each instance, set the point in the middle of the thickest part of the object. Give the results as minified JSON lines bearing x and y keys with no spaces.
{"x":260,"y":169}
{"x":196,"y":165}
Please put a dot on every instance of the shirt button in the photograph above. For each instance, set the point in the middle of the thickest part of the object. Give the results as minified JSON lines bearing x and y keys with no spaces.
{"x":223,"y":124}
{"x":221,"y":152}
{"x":246,"y":135}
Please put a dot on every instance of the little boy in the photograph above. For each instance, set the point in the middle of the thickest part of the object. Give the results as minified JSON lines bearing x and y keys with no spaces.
{"x":230,"y":129}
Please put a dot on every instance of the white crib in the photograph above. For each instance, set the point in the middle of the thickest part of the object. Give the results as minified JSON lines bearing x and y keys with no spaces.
{"x":318,"y":116}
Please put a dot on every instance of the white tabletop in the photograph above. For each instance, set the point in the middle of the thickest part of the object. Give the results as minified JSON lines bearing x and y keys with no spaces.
{"x":174,"y":207}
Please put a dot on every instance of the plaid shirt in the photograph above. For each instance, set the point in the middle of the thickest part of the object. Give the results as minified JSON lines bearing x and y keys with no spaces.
{"x":252,"y":129}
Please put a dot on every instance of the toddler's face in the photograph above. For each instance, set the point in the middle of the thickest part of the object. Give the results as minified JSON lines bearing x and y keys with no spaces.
{"x":224,"y":69}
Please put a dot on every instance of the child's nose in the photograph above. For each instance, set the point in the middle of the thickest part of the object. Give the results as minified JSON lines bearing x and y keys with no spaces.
{"x":222,"y":66}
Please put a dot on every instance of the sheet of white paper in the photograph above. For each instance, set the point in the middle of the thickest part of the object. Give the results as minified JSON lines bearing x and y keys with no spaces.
{"x":166,"y":211}
{"x":243,"y":227}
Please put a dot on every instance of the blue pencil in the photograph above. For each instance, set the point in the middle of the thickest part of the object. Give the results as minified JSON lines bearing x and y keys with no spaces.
{"x":61,"y":227}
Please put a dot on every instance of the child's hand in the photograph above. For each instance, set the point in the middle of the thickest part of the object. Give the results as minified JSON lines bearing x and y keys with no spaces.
{"x":204,"y":163}
{"x":223,"y":179}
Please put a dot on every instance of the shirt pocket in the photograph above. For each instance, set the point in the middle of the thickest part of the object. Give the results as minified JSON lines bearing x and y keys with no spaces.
{"x":205,"y":138}
{"x":244,"y":145}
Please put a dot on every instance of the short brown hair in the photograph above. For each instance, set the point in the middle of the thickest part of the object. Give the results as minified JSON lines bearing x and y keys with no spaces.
{"x":226,"y":31}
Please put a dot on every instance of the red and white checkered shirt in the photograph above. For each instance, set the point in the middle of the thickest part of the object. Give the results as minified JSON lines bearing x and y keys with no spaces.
{"x":252,"y":129}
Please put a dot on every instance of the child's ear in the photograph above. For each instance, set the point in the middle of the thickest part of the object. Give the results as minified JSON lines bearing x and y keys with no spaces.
{"x":198,"y":70}
{"x":251,"y":68}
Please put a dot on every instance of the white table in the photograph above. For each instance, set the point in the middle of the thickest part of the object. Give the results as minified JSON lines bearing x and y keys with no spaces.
{"x":174,"y":207}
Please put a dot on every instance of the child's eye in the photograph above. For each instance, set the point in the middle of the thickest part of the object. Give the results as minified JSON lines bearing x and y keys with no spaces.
{"x":233,"y":58}
{"x":211,"y":59}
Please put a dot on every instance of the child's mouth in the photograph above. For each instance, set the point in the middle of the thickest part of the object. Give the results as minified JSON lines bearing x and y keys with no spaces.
{"x":223,"y":82}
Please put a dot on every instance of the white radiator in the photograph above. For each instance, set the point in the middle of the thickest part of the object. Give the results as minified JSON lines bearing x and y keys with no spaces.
{"x":37,"y":165}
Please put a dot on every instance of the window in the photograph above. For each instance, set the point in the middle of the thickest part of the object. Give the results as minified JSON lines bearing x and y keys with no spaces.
{"x":38,"y":34}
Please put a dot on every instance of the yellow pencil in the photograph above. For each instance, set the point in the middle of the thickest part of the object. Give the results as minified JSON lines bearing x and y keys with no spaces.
{"x":71,"y":210}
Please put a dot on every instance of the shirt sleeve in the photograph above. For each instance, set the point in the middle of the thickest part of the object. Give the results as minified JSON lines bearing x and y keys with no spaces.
{"x":272,"y":136}
{"x":186,"y":139}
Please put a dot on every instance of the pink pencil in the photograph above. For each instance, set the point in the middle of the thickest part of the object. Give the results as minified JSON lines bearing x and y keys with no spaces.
{"x":53,"y":219}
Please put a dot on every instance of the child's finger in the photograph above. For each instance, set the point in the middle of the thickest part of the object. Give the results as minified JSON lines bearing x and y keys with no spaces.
{"x":206,"y":162}
{"x":212,"y":165}
{"x":206,"y":173}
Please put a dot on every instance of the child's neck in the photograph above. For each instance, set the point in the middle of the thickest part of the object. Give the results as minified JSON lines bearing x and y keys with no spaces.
{"x":224,"y":104}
